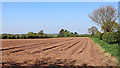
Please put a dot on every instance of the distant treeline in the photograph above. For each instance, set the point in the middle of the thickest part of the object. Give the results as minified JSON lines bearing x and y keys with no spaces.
{"x":66,"y":33}
{"x":41,"y":34}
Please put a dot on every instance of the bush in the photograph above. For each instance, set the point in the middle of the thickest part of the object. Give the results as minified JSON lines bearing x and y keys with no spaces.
{"x":101,"y":36}
{"x":23,"y":36}
{"x":97,"y":35}
{"x":4,"y":36}
{"x":84,"y":35}
{"x":17,"y":36}
{"x":110,"y":37}
{"x":11,"y":36}
{"x":30,"y":37}
{"x":118,"y":37}
{"x":43,"y":36}
{"x":50,"y":36}
{"x":0,"y":36}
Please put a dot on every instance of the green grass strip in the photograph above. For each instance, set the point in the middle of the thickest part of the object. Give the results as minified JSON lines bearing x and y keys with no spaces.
{"x":110,"y":48}
{"x":113,"y":49}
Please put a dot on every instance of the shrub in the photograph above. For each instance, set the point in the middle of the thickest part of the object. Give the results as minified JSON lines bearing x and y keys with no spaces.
{"x":30,"y":37}
{"x":0,"y":36}
{"x":4,"y":36}
{"x":50,"y":36}
{"x":11,"y":36}
{"x":23,"y":36}
{"x":44,"y":36}
{"x":84,"y":35}
{"x":101,"y":36}
{"x":97,"y":35}
{"x":118,"y":37}
{"x":17,"y":36}
{"x":110,"y":37}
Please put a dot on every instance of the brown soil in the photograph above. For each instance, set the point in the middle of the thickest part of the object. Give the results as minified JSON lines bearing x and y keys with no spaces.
{"x":72,"y":51}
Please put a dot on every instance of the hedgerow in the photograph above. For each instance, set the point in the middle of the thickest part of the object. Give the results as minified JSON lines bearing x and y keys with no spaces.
{"x":110,"y":37}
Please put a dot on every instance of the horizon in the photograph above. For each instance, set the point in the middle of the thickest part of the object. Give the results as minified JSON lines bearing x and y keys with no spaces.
{"x":24,"y":17}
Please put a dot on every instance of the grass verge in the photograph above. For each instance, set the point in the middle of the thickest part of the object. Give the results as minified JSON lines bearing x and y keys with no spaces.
{"x":113,"y":49}
{"x":110,"y":48}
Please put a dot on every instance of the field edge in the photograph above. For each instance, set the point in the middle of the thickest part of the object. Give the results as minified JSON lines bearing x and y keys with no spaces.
{"x":100,"y":44}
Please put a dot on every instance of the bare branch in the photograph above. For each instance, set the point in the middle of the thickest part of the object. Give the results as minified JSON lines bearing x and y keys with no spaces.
{"x":104,"y":16}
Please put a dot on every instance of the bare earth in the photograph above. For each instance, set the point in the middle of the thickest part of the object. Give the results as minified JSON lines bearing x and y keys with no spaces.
{"x":72,"y":51}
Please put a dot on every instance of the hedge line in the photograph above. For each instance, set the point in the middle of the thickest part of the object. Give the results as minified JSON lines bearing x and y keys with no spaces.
{"x":109,"y":37}
{"x":25,"y":36}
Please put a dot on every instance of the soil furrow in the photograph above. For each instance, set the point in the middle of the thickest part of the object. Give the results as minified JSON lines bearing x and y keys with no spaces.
{"x":77,"y":48}
{"x":57,"y":45}
{"x":82,"y":49}
{"x":59,"y":49}
{"x":69,"y":46}
{"x":28,"y":45}
{"x":72,"y":51}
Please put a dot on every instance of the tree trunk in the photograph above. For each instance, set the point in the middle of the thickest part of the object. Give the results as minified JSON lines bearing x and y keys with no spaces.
{"x":106,"y":30}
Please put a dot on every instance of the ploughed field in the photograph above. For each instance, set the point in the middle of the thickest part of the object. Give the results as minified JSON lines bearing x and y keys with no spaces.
{"x":80,"y":51}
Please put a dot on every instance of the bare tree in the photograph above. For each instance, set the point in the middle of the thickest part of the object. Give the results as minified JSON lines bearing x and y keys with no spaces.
{"x":105,"y":17}
{"x":89,"y":31}
{"x":92,"y":30}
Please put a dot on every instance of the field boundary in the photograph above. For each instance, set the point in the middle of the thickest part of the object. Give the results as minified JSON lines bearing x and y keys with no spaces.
{"x":106,"y":54}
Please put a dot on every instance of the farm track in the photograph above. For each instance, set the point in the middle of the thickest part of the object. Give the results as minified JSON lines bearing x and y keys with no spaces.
{"x":58,"y":51}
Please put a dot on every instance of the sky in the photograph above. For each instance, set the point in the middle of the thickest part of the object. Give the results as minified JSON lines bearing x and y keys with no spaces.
{"x":24,"y":17}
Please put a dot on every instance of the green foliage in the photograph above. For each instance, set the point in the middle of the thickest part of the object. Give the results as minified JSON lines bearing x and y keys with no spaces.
{"x":10,"y":36}
{"x":17,"y":36}
{"x":110,"y":26}
{"x":31,"y":35}
{"x":72,"y":34}
{"x":44,"y":36}
{"x":23,"y":36}
{"x":118,"y":38}
{"x":66,"y":33}
{"x":101,"y":36}
{"x":4,"y":36}
{"x":84,"y":35}
{"x":61,"y":33}
{"x":98,"y":35}
{"x":50,"y":36}
{"x":110,"y":37}
{"x":76,"y":34}
{"x":0,"y":36}
{"x":41,"y":34}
